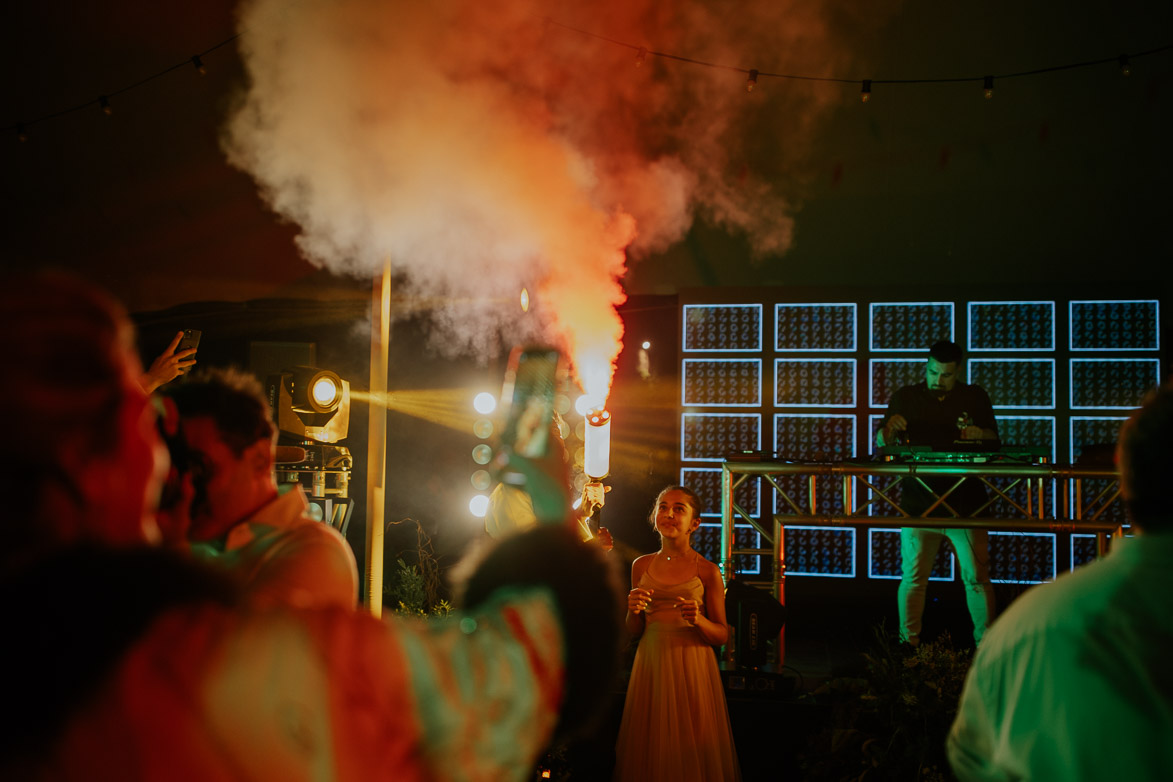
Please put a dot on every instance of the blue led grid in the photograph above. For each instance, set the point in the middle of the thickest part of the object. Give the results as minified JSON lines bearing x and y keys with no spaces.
{"x":814,"y":327}
{"x":1027,"y":430}
{"x":1115,"y":325}
{"x":723,"y":327}
{"x":820,"y":551}
{"x":910,"y":326}
{"x":707,"y":541}
{"x":1112,"y":384}
{"x":884,"y":556}
{"x":714,"y":436}
{"x":1022,"y":557}
{"x":1021,"y":326}
{"x":1083,"y":549}
{"x":814,"y":382}
{"x":1093,"y":442}
{"x":887,"y":375}
{"x":721,"y":382}
{"x":814,"y":437}
{"x":706,"y":482}
{"x":1027,"y":383}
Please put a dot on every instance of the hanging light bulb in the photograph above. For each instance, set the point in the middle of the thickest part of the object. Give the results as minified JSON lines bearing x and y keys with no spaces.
{"x":198,"y":64}
{"x":104,"y":105}
{"x":988,"y":87}
{"x":640,"y":56}
{"x":1125,"y":67}
{"x":21,"y":134}
{"x":752,"y":81}
{"x":865,"y":91}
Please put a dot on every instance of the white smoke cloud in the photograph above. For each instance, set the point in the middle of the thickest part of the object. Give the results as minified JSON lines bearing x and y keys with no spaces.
{"x":483,"y":148}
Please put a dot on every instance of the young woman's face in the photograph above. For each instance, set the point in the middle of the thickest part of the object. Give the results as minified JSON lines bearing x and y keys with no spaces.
{"x":674,"y":515}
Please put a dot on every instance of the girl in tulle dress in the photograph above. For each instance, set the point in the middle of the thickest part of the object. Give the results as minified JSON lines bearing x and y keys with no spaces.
{"x":675,"y":721}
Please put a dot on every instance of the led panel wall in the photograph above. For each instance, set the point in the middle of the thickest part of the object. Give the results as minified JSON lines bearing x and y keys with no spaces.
{"x":715,"y":436}
{"x":1022,"y":557}
{"x":721,"y":382}
{"x":1061,"y":374}
{"x":1023,"y":383}
{"x":1019,"y":326}
{"x":706,"y":482}
{"x":722,"y":327}
{"x":910,"y":325}
{"x":814,"y":382}
{"x":1115,"y":325}
{"x":826,"y":328}
{"x":886,"y":375}
{"x":1112,"y":383}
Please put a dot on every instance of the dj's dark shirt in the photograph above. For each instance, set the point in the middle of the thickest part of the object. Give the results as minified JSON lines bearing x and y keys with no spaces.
{"x":937,"y":422}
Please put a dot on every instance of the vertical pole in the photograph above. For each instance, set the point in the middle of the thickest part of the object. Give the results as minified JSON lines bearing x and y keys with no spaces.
{"x":780,"y":584}
{"x":377,"y":436}
{"x":729,"y":655}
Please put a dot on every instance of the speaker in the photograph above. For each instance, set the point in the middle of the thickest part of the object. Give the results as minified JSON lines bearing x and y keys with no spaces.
{"x":756,"y":617}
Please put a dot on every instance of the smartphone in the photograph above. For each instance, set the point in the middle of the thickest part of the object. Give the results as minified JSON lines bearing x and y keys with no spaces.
{"x":530,"y":383}
{"x":189,"y":340}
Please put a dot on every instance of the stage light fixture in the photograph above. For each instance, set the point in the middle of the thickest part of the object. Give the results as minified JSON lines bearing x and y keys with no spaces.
{"x":484,"y":403}
{"x":310,"y":403}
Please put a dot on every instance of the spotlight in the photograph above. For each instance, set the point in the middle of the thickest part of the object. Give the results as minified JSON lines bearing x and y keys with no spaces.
{"x":311,"y":403}
{"x":479,"y":505}
{"x":484,"y":403}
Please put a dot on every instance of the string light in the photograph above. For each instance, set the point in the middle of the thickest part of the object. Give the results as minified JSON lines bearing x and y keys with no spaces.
{"x":104,"y":105}
{"x":865,"y":91}
{"x":21,"y":135}
{"x":1123,"y":61}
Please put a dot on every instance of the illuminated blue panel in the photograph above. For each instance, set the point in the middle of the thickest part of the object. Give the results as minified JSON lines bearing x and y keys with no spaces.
{"x":1115,"y":325}
{"x":1022,"y":557}
{"x":814,"y":437}
{"x":1016,"y":382}
{"x":706,"y":482}
{"x":1093,"y":442}
{"x":714,"y":436}
{"x":723,"y":327}
{"x":1112,"y":384}
{"x":1027,"y":430}
{"x":886,"y":375}
{"x":1096,"y":432}
{"x":884,"y":556}
{"x":910,"y":326}
{"x":874,"y":421}
{"x":721,"y":382}
{"x":814,"y":382}
{"x":827,"y":328}
{"x":820,"y":551}
{"x":1083,"y":549}
{"x":707,"y":541}
{"x":1021,"y":326}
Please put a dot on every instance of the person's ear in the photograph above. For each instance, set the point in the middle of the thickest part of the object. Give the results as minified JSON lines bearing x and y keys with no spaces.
{"x":259,"y":456}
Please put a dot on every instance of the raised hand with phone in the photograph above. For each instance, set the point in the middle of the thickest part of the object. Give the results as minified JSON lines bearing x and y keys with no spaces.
{"x":176,"y":359}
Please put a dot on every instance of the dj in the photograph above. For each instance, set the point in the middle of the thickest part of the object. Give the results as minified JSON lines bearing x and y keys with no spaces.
{"x":937,"y":413}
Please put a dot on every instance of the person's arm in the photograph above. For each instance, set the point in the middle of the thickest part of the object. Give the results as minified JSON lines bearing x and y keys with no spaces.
{"x":638,"y":598}
{"x":168,"y":366}
{"x":711,"y":623}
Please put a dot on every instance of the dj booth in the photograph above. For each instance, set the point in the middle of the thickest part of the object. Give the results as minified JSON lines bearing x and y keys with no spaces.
{"x":1025,"y":493}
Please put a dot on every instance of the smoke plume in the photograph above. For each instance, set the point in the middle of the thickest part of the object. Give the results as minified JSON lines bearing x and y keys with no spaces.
{"x":487,"y":146}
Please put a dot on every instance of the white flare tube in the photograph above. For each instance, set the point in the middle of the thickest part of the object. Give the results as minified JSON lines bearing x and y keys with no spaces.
{"x":596,"y":461}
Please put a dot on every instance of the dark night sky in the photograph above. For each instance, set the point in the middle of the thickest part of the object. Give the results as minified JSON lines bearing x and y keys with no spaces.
{"x":1059,"y":174}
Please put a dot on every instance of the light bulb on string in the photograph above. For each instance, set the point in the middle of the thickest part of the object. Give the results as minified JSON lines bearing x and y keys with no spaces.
{"x":752,"y":81}
{"x":1125,"y":67}
{"x":104,"y":105}
{"x":21,"y":134}
{"x":198,"y":64}
{"x":640,"y":56}
{"x":865,"y":91}
{"x":988,"y":87}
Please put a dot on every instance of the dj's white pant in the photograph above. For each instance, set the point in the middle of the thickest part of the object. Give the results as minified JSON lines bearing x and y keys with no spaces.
{"x":918,"y":548}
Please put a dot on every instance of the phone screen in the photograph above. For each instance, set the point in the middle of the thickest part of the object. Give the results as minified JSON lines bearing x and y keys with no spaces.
{"x":530,"y":385}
